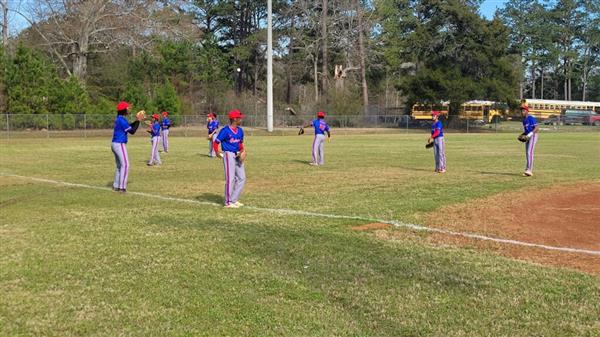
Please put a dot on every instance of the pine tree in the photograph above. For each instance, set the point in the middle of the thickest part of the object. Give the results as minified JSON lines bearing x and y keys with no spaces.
{"x":31,"y":81}
{"x":167,"y":99}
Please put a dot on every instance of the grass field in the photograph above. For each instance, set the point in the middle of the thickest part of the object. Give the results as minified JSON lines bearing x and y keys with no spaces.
{"x":84,"y":262}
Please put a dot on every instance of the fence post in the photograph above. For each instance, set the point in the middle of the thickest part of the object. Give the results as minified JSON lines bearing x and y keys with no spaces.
{"x":47,"y":126}
{"x":84,"y":126}
{"x":186,"y":126}
{"x":7,"y":128}
{"x":407,"y":119}
{"x":467,"y":124}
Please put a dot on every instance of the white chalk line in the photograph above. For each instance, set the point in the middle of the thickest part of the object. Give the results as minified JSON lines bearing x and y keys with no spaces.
{"x":395,"y":223}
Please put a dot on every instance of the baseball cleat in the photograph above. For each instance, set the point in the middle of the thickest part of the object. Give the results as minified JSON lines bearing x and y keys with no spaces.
{"x":527,"y":174}
{"x":238,"y":204}
{"x":122,"y":190}
{"x":313,"y":164}
{"x":231,"y":206}
{"x":442,"y":171}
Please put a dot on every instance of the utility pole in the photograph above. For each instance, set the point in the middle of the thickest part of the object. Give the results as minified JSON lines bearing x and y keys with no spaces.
{"x":270,"y":67}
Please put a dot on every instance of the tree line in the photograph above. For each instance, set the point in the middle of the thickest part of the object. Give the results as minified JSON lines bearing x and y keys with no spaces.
{"x":344,"y":56}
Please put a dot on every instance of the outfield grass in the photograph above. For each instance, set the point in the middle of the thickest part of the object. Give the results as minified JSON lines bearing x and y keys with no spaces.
{"x":86,"y":262}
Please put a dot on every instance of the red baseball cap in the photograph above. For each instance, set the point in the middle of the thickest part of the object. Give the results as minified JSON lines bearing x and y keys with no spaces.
{"x":164,"y":113}
{"x":524,"y":106}
{"x":320,"y":114}
{"x":156,"y":116}
{"x":233,"y":114}
{"x":122,"y":105}
{"x":210,"y":114}
{"x":435,"y":113}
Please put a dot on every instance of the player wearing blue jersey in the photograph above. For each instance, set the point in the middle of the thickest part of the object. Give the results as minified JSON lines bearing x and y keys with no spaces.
{"x":119,"y":145}
{"x":154,"y":131}
{"x":321,"y":128}
{"x":439,"y":145}
{"x":212,"y":124}
{"x":231,"y":138}
{"x":165,"y":125}
{"x":530,"y":130}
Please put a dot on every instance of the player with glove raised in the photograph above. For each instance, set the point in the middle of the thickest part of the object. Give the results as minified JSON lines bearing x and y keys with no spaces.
{"x":529,"y":137}
{"x":122,"y":128}
{"x":321,"y":128}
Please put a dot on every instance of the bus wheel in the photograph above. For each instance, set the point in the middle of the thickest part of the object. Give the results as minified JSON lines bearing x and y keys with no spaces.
{"x":596,"y":123}
{"x":496,"y":119}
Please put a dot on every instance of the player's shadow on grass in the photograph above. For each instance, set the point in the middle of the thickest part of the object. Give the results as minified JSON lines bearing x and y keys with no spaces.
{"x":414,"y":169}
{"x":210,"y":197}
{"x":497,"y":173}
{"x":305,"y":162}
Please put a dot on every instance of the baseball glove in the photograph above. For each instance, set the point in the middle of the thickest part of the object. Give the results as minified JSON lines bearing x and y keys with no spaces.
{"x":523,"y":138}
{"x":301,"y":131}
{"x":140,"y":115}
{"x":429,"y":145}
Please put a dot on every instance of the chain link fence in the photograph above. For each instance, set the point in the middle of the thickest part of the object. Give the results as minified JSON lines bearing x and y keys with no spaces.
{"x":85,"y":125}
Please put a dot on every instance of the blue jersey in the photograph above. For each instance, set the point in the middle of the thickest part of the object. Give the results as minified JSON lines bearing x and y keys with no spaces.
{"x":529,"y":124}
{"x":230,"y":140}
{"x":437,"y":125}
{"x":166,"y":123}
{"x":120,"y":130}
{"x":155,"y":130}
{"x":320,"y":126}
{"x":212,"y":126}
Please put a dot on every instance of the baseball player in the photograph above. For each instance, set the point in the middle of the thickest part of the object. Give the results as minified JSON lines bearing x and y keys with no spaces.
{"x":530,"y":134}
{"x":212,"y":124}
{"x":119,"y":145}
{"x":154,"y":131}
{"x":439,"y":146}
{"x":231,"y":139}
{"x":165,"y":125}
{"x":321,"y":128}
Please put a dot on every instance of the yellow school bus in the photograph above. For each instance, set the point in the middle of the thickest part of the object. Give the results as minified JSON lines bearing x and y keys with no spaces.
{"x":544,"y":108}
{"x":423,"y":111}
{"x":485,"y":111}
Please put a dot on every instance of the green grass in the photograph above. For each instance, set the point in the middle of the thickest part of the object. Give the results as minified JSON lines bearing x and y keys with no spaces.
{"x":77,"y":262}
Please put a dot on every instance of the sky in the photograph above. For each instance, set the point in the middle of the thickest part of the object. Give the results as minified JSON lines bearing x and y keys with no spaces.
{"x":488,"y":8}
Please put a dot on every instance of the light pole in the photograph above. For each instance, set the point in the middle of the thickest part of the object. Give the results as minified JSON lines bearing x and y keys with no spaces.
{"x":270,"y":67}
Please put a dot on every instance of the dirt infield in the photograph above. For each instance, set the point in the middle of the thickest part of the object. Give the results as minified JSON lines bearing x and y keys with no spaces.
{"x":565,"y":216}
